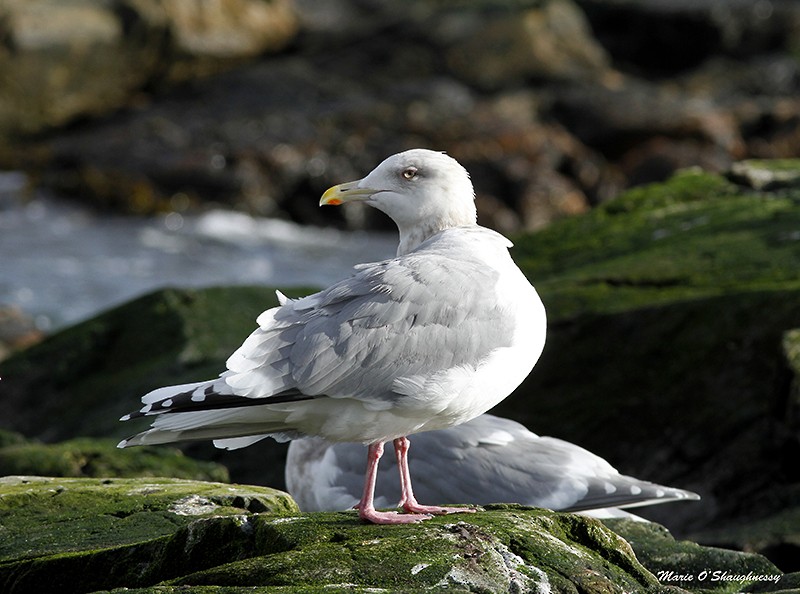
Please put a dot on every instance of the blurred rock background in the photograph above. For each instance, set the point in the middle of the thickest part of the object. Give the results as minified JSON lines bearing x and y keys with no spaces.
{"x":553,"y":105}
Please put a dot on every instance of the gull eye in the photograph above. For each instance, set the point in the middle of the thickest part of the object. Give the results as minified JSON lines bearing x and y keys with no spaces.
{"x":410,"y":172}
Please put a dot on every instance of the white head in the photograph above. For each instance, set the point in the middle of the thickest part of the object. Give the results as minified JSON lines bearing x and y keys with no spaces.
{"x":422,"y":191}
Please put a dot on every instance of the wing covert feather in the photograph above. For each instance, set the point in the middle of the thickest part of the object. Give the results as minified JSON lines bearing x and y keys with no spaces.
{"x":397,"y":318}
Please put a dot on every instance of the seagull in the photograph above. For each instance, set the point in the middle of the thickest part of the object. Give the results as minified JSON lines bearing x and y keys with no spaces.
{"x":486,"y":460}
{"x":426,"y":340}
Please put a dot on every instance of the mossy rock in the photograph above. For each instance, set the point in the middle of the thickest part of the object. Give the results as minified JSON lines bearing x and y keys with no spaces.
{"x":767,"y":174}
{"x":88,"y":457}
{"x":706,"y":380}
{"x":777,"y":535}
{"x":693,"y":567}
{"x":694,"y":236}
{"x":84,"y":535}
{"x":11,"y":438}
{"x":55,"y":515}
{"x":71,"y":535}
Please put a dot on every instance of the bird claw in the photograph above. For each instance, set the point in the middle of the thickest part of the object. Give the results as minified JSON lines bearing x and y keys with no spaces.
{"x":378,"y":517}
{"x":414,"y":513}
{"x":416,"y":508}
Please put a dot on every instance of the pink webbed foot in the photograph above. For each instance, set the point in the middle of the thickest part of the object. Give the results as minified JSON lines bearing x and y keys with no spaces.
{"x":438,"y":510}
{"x":378,"y":517}
{"x":412,"y":507}
{"x":366,"y":507}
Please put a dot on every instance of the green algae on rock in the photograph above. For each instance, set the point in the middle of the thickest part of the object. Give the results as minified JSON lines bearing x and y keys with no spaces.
{"x":84,"y":535}
{"x":695,"y":235}
{"x":88,"y":457}
{"x":11,"y":438}
{"x":81,"y":535}
{"x":76,"y":535}
{"x":777,"y":535}
{"x":503,"y":550}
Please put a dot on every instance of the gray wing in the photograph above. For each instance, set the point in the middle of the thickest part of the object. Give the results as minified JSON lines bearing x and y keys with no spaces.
{"x":486,"y":460}
{"x":398,"y":318}
{"x":493,"y":460}
{"x":401,"y":318}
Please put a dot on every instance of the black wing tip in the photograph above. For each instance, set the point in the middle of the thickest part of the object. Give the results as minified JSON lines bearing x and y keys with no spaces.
{"x":184,"y":403}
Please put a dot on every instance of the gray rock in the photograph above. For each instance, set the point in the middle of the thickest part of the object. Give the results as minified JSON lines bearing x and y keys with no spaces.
{"x":534,"y":97}
{"x":66,"y":59}
{"x":494,"y":49}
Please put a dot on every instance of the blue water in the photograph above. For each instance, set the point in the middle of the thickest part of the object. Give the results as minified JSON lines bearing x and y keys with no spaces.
{"x":62,"y":262}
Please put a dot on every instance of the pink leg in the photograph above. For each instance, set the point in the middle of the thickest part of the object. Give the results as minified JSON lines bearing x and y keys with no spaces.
{"x":366,"y":507}
{"x":408,"y":502}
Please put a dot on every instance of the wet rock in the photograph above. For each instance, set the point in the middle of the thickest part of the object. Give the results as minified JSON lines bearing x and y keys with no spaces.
{"x":272,"y":150}
{"x":620,"y":115}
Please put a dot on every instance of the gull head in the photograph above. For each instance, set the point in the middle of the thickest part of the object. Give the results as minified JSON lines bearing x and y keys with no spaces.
{"x":422,"y":191}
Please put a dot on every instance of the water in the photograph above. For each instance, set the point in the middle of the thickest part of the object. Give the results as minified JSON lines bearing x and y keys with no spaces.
{"x":62,"y":262}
